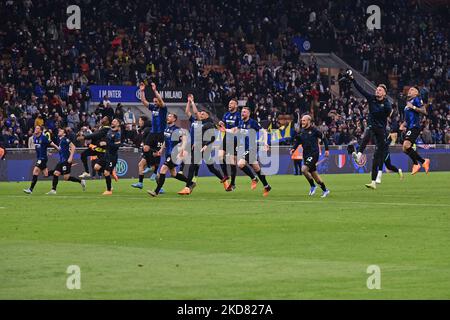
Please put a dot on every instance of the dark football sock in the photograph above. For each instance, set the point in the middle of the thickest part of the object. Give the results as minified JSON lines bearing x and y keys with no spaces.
{"x":73,"y":179}
{"x":374,"y":172}
{"x":85,"y":162}
{"x":233,"y":174}
{"x":390,"y":166}
{"x":418,"y":157}
{"x":197,"y":168}
{"x":322,"y":186}
{"x":33,"y":182}
{"x":311,"y":182}
{"x":181,"y":177}
{"x":108,"y":182}
{"x":141,"y":178}
{"x":246,"y":169}
{"x":224,"y":169}
{"x":213,"y":170}
{"x":161,"y":180}
{"x":54,"y":182}
{"x":262,"y":178}
{"x":410,"y":152}
{"x":190,"y":175}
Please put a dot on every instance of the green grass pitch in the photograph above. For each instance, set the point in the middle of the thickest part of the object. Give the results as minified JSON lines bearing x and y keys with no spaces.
{"x":239,"y":245}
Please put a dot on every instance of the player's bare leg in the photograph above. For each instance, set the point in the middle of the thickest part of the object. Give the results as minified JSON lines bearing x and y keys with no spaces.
{"x":36,"y":173}
{"x":308,"y":176}
{"x":141,"y":168}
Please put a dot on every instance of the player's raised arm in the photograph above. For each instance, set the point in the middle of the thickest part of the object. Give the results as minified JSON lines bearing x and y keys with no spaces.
{"x":349,"y":75}
{"x":187,"y":110}
{"x":142,"y":95}
{"x":190,"y":103}
{"x":160,"y":102}
{"x":194,"y":108}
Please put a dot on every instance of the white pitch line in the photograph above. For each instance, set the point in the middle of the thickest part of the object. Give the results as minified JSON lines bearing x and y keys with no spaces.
{"x":184,"y":198}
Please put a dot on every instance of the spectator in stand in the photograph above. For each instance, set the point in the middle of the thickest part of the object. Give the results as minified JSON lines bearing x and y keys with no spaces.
{"x":47,"y":70}
{"x":118,"y":113}
{"x":129,"y":117}
{"x":73,"y":119}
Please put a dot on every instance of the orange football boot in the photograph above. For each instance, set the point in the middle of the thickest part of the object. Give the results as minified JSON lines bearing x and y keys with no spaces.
{"x":185,"y":192}
{"x":266,"y":191}
{"x":254,"y":184}
{"x":426,"y":165}
{"x":415,"y":169}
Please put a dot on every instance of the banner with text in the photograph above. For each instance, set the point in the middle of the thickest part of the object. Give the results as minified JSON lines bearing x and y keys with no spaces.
{"x":130,"y":94}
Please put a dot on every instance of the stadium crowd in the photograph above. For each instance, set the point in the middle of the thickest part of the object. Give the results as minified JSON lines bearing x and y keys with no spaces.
{"x":46,"y":69}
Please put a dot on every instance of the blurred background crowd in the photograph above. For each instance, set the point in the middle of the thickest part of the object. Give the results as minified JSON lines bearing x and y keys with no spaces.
{"x":249,"y":50}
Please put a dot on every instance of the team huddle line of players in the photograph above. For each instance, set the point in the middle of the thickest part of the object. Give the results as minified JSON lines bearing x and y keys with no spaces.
{"x":239,"y":148}
{"x":158,"y":140}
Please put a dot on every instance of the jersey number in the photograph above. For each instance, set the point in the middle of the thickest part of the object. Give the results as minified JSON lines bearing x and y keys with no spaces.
{"x":309,"y":159}
{"x":408,"y":133}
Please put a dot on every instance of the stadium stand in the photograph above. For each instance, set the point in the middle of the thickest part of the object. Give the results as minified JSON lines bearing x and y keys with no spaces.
{"x":251,"y":50}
